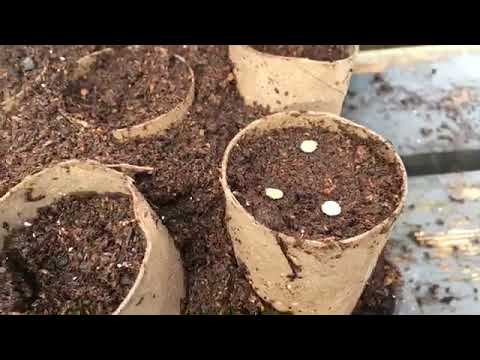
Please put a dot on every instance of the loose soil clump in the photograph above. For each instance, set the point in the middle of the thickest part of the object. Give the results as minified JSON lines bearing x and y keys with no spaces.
{"x":128,"y":87}
{"x":379,"y":296}
{"x":81,"y":255}
{"x":344,"y":168}
{"x":313,"y":52}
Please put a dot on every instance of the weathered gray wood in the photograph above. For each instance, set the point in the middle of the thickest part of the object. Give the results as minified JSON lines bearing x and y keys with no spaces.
{"x":452,"y":263}
{"x":422,"y":107}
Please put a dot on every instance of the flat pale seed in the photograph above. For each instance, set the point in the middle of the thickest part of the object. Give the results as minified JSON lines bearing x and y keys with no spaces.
{"x":274,"y":194}
{"x":331,"y":208}
{"x":309,"y":146}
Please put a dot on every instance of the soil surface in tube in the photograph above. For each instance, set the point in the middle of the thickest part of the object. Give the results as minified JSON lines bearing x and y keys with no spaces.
{"x":343,"y":168}
{"x":80,"y":256}
{"x":313,"y":52}
{"x":128,"y":88}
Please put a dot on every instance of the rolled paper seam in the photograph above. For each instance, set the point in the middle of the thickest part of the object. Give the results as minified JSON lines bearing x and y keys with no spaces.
{"x":289,"y":83}
{"x":156,"y":126}
{"x":332,"y":273}
{"x":159,"y":286}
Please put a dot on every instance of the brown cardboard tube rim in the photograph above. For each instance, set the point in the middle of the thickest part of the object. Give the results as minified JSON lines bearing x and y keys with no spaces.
{"x":156,"y":125}
{"x":353,"y":50}
{"x":145,"y":260}
{"x":160,"y":123}
{"x":159,"y":284}
{"x":291,"y":83}
{"x":311,"y":115}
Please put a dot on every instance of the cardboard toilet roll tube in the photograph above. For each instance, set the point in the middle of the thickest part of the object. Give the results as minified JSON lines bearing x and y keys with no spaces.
{"x":159,"y":286}
{"x":332,"y":273}
{"x":155,"y":126}
{"x":290,"y":83}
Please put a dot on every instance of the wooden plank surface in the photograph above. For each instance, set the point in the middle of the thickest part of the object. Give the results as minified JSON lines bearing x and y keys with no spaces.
{"x":377,"y":61}
{"x":436,"y":245}
{"x":423,"y":106}
{"x":426,"y":100}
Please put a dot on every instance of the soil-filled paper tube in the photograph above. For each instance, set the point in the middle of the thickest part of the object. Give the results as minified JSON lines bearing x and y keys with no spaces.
{"x":154,"y":126}
{"x":333,"y":272}
{"x":159,"y":286}
{"x":289,"y":83}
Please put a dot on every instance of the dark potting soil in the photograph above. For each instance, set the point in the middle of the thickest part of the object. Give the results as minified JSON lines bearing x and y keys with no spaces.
{"x":20,"y":64}
{"x":313,"y":52}
{"x":186,"y":191}
{"x":80,"y":256}
{"x":184,"y":188}
{"x":344,"y":168}
{"x":63,"y":53}
{"x":128,"y":87}
{"x":380,"y":294}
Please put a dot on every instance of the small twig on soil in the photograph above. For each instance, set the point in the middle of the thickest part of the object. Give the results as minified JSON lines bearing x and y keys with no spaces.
{"x":74,"y":121}
{"x":131,"y":169}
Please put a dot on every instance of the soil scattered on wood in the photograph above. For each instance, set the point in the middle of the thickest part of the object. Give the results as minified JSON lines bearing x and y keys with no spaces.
{"x":344,"y":168}
{"x":80,"y":256}
{"x":313,"y":52}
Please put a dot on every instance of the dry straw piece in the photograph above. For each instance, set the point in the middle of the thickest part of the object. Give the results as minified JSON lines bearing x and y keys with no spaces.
{"x":333,"y":273}
{"x":289,"y":83}
{"x":159,"y":286}
{"x":155,"y":126}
